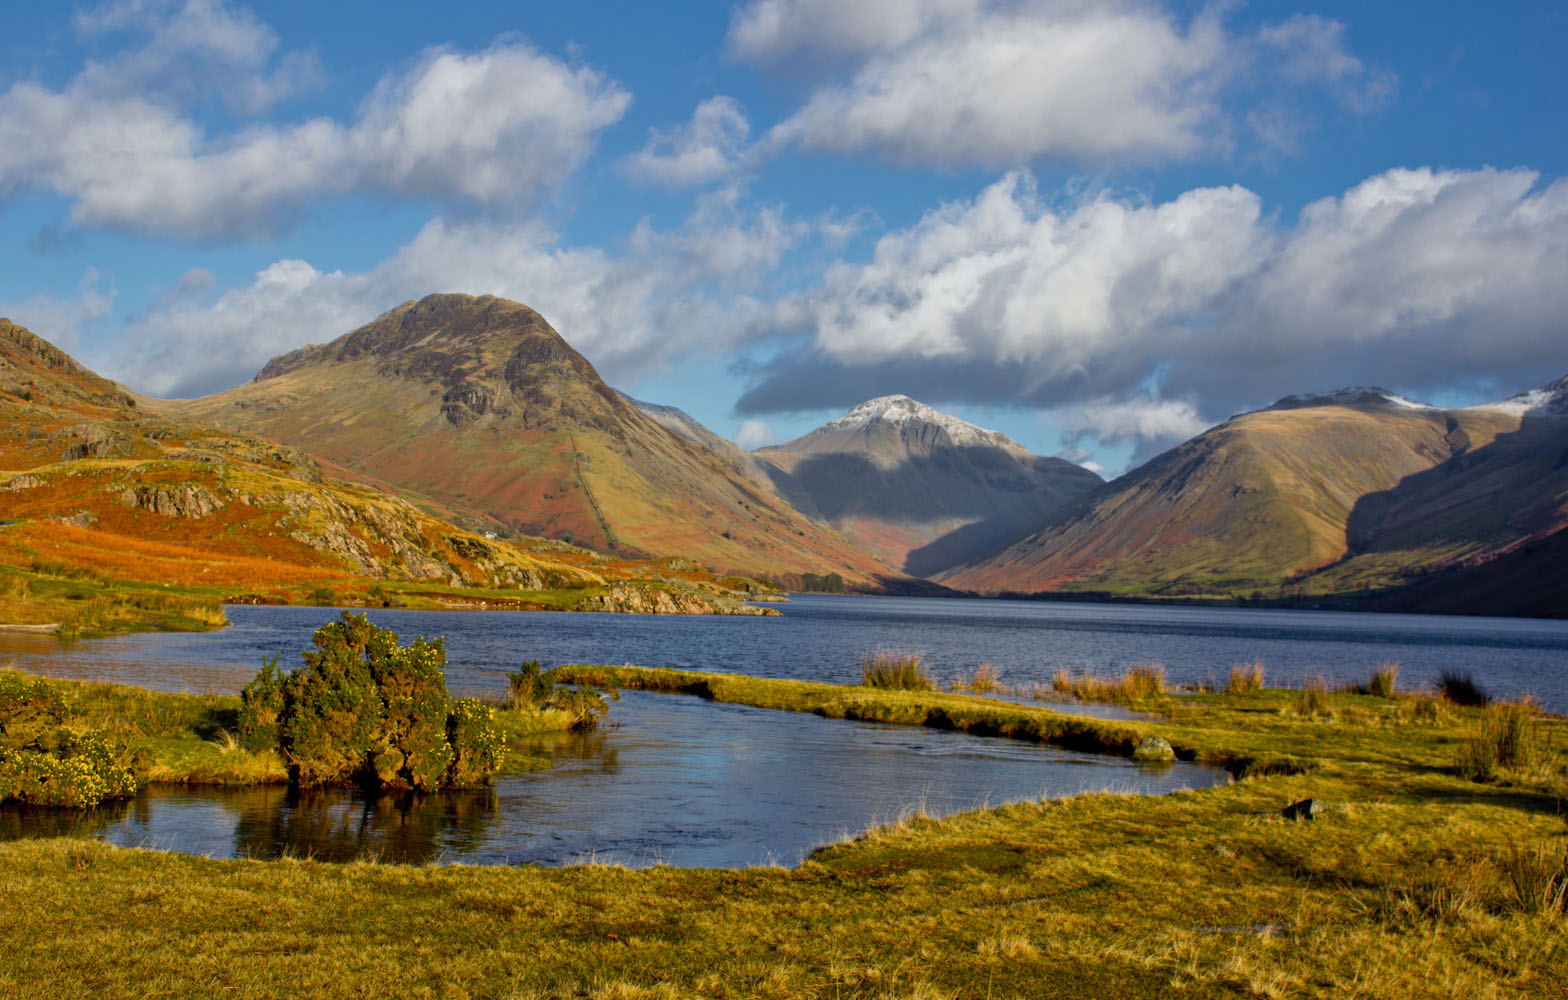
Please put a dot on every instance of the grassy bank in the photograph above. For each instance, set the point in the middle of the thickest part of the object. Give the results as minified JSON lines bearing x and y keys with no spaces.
{"x":1411,"y":882}
{"x":186,"y":739}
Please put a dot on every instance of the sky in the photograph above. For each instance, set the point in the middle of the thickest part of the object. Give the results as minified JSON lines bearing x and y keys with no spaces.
{"x":1099,"y":227}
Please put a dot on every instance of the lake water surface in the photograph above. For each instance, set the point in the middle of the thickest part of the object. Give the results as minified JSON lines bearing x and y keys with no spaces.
{"x":681,"y":781}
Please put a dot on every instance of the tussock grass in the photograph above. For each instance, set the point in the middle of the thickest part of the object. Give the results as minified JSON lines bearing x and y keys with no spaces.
{"x":1538,"y":875}
{"x":1461,"y":688}
{"x":1138,"y":682}
{"x":1245,"y":678}
{"x":1313,"y":701}
{"x":896,"y":670}
{"x":1505,"y":739}
{"x":984,"y":680}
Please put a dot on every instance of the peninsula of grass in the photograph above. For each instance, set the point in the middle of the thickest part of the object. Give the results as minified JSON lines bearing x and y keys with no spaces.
{"x":1413,"y":880}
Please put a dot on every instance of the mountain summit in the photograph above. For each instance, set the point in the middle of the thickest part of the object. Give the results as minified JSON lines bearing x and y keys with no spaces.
{"x":479,"y":407}
{"x":921,"y":488}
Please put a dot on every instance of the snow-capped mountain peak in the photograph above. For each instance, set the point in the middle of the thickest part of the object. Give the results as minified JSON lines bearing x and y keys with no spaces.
{"x":901,"y":411}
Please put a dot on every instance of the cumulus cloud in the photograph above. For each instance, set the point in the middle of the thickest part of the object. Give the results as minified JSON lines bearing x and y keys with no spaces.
{"x":661,"y":295}
{"x":1413,"y":279}
{"x":704,"y":149}
{"x":963,"y":83}
{"x":192,"y":50}
{"x":493,"y":128}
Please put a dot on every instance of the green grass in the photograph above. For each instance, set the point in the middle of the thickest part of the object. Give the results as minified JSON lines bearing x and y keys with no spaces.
{"x":896,"y":670}
{"x":1403,"y":887}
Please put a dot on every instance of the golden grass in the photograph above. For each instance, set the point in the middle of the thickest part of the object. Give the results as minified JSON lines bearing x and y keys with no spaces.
{"x":1245,"y":678}
{"x":983,"y":680}
{"x":1138,"y":682}
{"x":1402,"y":887}
{"x":899,"y":670}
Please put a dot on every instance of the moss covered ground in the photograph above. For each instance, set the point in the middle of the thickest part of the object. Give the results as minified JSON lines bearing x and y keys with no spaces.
{"x":1411,"y":882}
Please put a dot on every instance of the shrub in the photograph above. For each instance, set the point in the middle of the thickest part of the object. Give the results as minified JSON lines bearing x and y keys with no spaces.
{"x":79,"y":771}
{"x":477,"y":745}
{"x":527,"y":687}
{"x":31,"y":709}
{"x":1460,"y":687}
{"x":261,"y":703}
{"x":363,"y":709}
{"x":899,"y":671}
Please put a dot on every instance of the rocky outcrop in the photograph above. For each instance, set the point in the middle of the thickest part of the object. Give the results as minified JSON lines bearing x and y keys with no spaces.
{"x":648,"y":599}
{"x":185,"y":500}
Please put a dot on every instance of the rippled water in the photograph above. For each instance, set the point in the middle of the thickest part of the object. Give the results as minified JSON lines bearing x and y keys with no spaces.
{"x":687,"y":782}
{"x":821,"y":638}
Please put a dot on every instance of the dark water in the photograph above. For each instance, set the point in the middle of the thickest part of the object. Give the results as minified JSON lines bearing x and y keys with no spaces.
{"x":680,"y":781}
{"x":686,"y":782}
{"x":822,"y":638}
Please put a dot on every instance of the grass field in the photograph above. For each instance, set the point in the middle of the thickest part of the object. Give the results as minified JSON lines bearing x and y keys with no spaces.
{"x":1411,"y":882}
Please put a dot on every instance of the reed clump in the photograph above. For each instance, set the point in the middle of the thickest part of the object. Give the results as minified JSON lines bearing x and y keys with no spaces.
{"x":984,"y":680}
{"x":1138,"y":682}
{"x":1245,"y":678}
{"x":1313,"y":701}
{"x":898,"y":670}
{"x":1538,"y":876}
{"x":1505,"y":738}
{"x":1461,"y":688}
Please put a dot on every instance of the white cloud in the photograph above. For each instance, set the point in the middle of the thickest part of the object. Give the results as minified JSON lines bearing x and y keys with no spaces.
{"x":664,"y":295}
{"x":494,"y":128}
{"x":193,"y":50}
{"x":704,"y":149}
{"x":1416,"y":279}
{"x":58,"y":320}
{"x":1004,"y":83}
{"x":754,"y":434}
{"x":1313,"y":51}
{"x":1111,"y":421}
{"x":768,"y":30}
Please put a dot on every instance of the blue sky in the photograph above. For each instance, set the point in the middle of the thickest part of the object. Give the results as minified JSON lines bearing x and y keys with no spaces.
{"x":1099,"y":227}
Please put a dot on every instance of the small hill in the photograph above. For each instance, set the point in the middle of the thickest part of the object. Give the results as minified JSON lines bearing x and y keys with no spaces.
{"x":476,"y":406}
{"x":1352,"y":493}
{"x":922,"y":489}
{"x":94,"y":486}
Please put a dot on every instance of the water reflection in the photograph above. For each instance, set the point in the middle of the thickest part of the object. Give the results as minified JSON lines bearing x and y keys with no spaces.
{"x":679,"y":781}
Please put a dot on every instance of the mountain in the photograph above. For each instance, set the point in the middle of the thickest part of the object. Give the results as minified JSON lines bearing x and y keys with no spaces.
{"x":98,"y":486}
{"x":922,"y":489}
{"x":478,"y":407}
{"x":1355,"y":493}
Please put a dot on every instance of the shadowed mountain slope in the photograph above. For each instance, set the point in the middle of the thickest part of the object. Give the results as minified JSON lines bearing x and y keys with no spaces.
{"x":477,"y":405}
{"x":923,"y":489}
{"x":1343,"y":493}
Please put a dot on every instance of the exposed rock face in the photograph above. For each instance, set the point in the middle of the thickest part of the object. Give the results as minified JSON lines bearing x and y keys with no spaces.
{"x":644,"y":599}
{"x":923,"y":489}
{"x":187,"y":500}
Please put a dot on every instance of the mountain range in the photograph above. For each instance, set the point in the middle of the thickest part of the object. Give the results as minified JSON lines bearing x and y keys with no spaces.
{"x":462,"y":438}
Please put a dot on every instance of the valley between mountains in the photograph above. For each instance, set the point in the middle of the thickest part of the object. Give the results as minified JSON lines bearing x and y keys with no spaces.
{"x":457,"y":450}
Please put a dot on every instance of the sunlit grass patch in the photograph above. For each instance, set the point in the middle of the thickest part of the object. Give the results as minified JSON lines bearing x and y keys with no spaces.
{"x":984,"y":680}
{"x":1245,"y":678}
{"x":1138,"y":682}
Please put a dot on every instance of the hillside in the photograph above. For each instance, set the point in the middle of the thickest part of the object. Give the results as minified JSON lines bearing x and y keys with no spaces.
{"x":1346,"y":494}
{"x":478,"y":406}
{"x":95,"y":488}
{"x":920,"y":488}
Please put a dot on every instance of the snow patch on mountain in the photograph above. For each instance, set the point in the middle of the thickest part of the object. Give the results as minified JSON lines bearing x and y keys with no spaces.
{"x":901,"y":411}
{"x":1547,"y":401}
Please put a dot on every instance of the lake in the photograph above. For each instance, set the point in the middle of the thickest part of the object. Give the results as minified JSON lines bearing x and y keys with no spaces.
{"x":681,"y":781}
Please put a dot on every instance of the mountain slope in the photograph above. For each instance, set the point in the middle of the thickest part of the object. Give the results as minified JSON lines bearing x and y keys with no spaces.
{"x":95,"y":487}
{"x":1336,"y":494}
{"x":477,"y":405}
{"x":922,"y":489}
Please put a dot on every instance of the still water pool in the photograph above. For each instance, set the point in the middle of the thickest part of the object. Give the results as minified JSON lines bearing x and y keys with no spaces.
{"x":686,"y":782}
